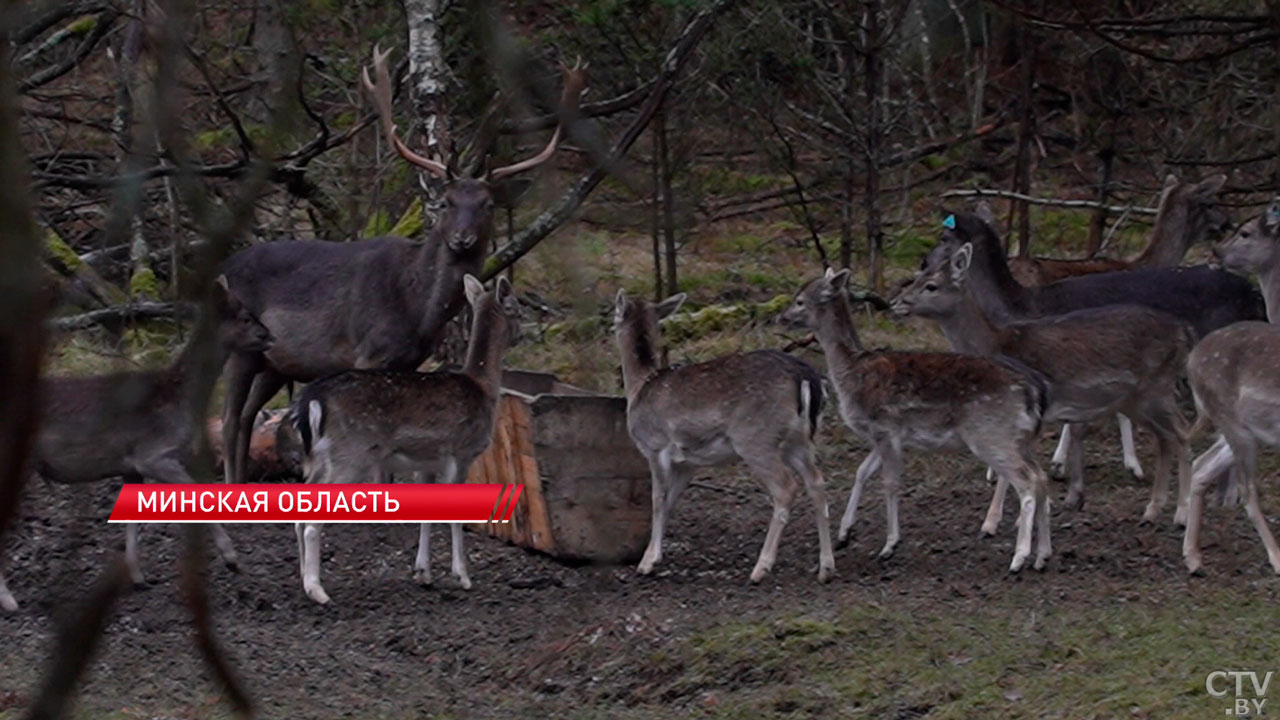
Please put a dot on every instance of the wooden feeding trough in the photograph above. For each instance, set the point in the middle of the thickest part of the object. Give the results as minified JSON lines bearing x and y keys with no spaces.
{"x":586,"y":487}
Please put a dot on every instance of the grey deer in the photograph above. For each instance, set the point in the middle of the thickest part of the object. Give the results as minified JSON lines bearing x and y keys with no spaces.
{"x":761,"y":407}
{"x":375,"y":303}
{"x":1204,"y":297}
{"x":1186,"y":215}
{"x":1098,"y":361}
{"x":929,"y":401}
{"x":1237,"y":385}
{"x":139,"y":424}
{"x":364,"y":425}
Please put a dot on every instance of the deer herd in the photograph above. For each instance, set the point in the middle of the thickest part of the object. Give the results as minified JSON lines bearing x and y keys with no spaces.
{"x":1035,"y":343}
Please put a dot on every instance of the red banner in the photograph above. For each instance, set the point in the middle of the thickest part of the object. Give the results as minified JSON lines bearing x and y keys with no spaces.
{"x":323,"y":502}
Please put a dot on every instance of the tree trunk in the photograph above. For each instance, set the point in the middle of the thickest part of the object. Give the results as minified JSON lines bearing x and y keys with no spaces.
{"x":1106,"y":158}
{"x":871,"y":91}
{"x":846,"y":218}
{"x":428,"y":81}
{"x":668,"y":202}
{"x":656,"y":217}
{"x":1026,"y":131}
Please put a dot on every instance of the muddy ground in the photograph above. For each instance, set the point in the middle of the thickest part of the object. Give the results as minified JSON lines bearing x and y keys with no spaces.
{"x":536,"y":638}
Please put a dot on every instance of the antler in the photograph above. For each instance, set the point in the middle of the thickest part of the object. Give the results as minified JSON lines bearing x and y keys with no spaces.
{"x":575,"y":81}
{"x":381,"y":93}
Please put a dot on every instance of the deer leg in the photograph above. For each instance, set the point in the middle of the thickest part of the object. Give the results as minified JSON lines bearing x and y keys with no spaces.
{"x":996,"y":508}
{"x":311,"y":563}
{"x":1058,"y":465}
{"x":1212,"y":463}
{"x":1023,"y":482}
{"x":891,"y":458}
{"x":131,"y":554}
{"x":1040,"y":491}
{"x":1249,"y":480}
{"x":802,"y":462}
{"x":1075,"y":466}
{"x":660,"y":473}
{"x":7,"y":603}
{"x":1166,"y":451}
{"x":781,"y":485}
{"x":1126,"y":443}
{"x":168,"y":469}
{"x":459,"y":566}
{"x":870,"y":464}
{"x":458,"y":560}
{"x":422,"y":563}
{"x":302,"y":550}
{"x":241,"y":369}
{"x":265,"y":386}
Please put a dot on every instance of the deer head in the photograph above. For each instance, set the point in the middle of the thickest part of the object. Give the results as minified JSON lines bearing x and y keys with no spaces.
{"x":937,"y":289}
{"x":1255,"y":247}
{"x":238,"y":329}
{"x":468,"y":201}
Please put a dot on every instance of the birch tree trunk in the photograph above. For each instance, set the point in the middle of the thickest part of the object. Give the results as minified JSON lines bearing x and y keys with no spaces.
{"x":428,"y":82}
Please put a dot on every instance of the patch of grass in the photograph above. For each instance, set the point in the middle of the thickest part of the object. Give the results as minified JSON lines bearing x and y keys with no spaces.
{"x":1013,"y":657}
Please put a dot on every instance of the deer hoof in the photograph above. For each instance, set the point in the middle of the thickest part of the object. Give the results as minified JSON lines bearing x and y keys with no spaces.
{"x":464,"y":582}
{"x":317,"y":593}
{"x":422,"y":577}
{"x":826,"y":573}
{"x":842,"y":541}
{"x":1195,"y":567}
{"x":988,"y":530}
{"x":758,"y":574}
{"x":8,"y":604}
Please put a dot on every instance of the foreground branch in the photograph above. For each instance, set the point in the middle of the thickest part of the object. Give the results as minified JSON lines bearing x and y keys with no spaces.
{"x":121,"y":314}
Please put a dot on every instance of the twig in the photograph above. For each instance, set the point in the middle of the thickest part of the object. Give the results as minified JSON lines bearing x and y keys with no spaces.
{"x":1079,"y":204}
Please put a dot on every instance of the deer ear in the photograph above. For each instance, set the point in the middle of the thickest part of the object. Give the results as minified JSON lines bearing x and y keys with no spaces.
{"x":503,"y":288}
{"x":671,"y":304}
{"x":1210,"y":186}
{"x":838,"y":280}
{"x":1271,"y":216}
{"x":1170,"y":181}
{"x":985,"y":213}
{"x":960,"y":262}
{"x":473,"y":289}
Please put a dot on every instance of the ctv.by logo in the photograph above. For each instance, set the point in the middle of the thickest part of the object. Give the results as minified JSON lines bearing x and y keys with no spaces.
{"x":1250,"y":690}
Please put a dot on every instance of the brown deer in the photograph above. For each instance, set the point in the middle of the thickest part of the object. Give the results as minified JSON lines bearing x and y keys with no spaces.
{"x":1185,"y":216}
{"x":375,"y":303}
{"x":761,"y":407}
{"x":363,"y":425}
{"x":137,"y":425}
{"x":933,"y":402}
{"x":1098,"y":361}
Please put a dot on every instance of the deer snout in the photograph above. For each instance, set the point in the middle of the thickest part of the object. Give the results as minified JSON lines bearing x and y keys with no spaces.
{"x":462,"y":241}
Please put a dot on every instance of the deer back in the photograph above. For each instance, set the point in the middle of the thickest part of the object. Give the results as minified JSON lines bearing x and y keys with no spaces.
{"x":1201,"y":296}
{"x":1233,"y":375}
{"x":766,"y":395}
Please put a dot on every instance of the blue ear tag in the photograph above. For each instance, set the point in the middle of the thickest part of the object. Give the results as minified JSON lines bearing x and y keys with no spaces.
{"x":950,"y":222}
